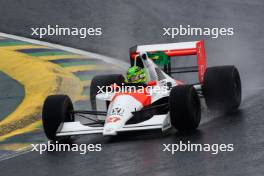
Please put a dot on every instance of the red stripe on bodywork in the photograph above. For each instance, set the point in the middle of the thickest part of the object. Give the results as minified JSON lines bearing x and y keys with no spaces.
{"x":143,"y":97}
{"x":176,"y":52}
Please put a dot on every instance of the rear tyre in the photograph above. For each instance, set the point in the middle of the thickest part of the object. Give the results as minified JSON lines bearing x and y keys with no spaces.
{"x":222,"y":88}
{"x":103,"y":80}
{"x":56,"y":110}
{"x":185,"y":108}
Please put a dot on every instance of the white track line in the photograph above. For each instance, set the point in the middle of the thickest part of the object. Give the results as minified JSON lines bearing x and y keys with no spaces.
{"x":12,"y":155}
{"x":116,"y":62}
{"x":107,"y":59}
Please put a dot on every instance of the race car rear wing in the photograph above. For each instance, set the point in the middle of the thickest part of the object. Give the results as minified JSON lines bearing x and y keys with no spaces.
{"x":177,"y":49}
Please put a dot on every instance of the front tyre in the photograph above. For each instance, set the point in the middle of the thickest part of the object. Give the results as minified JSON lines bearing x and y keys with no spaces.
{"x":185,"y":108}
{"x":103,"y":81}
{"x":222,"y":88}
{"x":56,"y":110}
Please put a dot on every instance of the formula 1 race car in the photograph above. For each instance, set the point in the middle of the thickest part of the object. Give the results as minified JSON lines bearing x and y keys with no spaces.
{"x":175,"y":104}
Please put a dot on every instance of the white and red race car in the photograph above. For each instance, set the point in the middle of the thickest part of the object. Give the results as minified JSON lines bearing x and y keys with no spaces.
{"x":162,"y":103}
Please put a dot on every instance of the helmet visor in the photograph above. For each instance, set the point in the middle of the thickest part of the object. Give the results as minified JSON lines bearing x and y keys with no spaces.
{"x":136,"y":77}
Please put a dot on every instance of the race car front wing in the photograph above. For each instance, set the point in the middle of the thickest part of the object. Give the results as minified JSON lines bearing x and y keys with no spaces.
{"x":76,"y":128}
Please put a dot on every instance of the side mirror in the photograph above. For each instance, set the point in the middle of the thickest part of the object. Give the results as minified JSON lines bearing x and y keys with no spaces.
{"x":152,"y":83}
{"x":144,"y":56}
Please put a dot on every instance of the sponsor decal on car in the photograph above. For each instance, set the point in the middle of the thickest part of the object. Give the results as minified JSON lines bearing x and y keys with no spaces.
{"x":117,"y":111}
{"x":112,"y":119}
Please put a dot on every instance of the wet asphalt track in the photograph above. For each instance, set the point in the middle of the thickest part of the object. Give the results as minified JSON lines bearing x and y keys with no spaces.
{"x":126,"y":23}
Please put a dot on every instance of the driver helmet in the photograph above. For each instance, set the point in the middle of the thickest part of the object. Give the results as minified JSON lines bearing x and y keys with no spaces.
{"x":136,"y":74}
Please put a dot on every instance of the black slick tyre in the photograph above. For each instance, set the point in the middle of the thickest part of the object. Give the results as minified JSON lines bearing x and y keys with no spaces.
{"x":56,"y":110}
{"x":222,"y":88}
{"x":103,"y":81}
{"x":185,"y":108}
